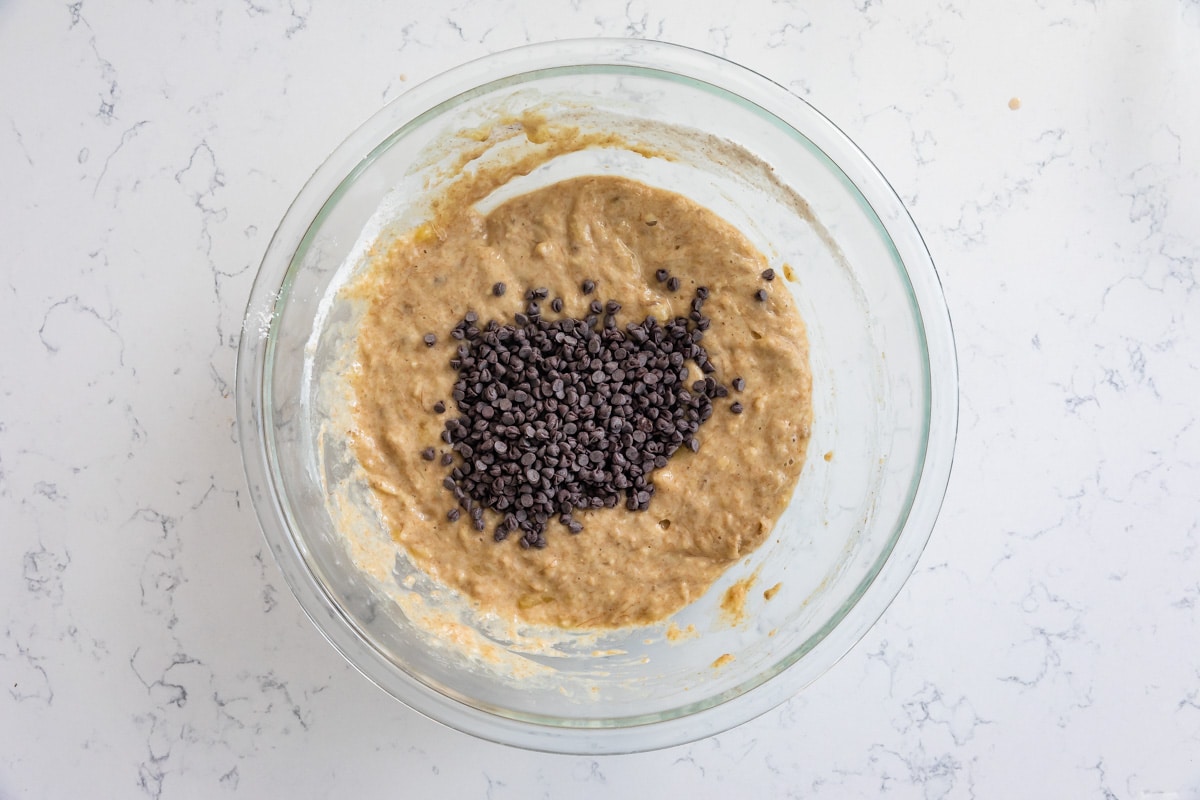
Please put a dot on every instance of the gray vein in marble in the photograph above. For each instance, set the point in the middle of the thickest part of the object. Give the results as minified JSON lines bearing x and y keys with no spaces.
{"x":230,"y":779}
{"x":43,"y":571}
{"x":20,"y":141}
{"x":75,"y":10}
{"x":162,"y":691}
{"x":638,"y":21}
{"x":31,"y":681}
{"x":269,"y":592}
{"x":1102,"y":779}
{"x":928,"y":707}
{"x":589,"y":772}
{"x":107,"y":73}
{"x":454,"y":26}
{"x":270,"y":684}
{"x":73,"y":306}
{"x":202,"y":179}
{"x":253,"y":10}
{"x":299,"y":16}
{"x":788,"y":34}
{"x":128,"y":135}
{"x":408,"y":38}
{"x":719,"y":40}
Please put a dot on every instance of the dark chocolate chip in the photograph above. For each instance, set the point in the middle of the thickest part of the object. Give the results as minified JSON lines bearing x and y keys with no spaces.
{"x":430,"y":340}
{"x":572,"y":414}
{"x":761,"y":295}
{"x":736,"y":408}
{"x":499,"y":289}
{"x":588,"y":286}
{"x":768,"y":274}
{"x":673,"y":284}
{"x":428,"y":454}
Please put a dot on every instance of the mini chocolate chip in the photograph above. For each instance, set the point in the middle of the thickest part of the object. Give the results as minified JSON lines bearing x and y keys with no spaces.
{"x":572,"y":413}
{"x":439,"y":407}
{"x":761,"y":295}
{"x":588,"y":286}
{"x":447,"y":459}
{"x":661,"y":275}
{"x":430,"y":340}
{"x":453,"y":514}
{"x":736,"y":408}
{"x":768,"y":274}
{"x":499,"y":289}
{"x":557,"y":305}
{"x":428,"y":454}
{"x":702,"y":292}
{"x":673,"y":284}
{"x":739,"y":384}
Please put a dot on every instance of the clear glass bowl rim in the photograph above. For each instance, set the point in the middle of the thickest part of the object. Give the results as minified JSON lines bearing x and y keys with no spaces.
{"x":758,"y":93}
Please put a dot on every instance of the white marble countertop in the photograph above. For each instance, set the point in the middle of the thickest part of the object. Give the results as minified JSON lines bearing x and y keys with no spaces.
{"x":1048,"y":644}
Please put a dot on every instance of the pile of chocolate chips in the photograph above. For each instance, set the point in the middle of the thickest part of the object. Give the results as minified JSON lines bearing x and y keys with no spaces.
{"x":568,"y":414}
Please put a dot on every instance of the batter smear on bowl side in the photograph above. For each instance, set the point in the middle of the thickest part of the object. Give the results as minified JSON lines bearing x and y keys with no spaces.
{"x":582,"y":408}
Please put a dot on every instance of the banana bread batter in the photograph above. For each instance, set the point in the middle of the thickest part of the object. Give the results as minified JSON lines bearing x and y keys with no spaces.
{"x":711,"y":507}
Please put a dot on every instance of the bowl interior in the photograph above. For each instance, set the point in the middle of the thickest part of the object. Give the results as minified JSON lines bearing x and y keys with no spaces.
{"x":814,"y":206}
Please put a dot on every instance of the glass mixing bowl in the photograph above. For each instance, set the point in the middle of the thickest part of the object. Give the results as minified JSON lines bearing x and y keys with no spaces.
{"x":884,"y":393}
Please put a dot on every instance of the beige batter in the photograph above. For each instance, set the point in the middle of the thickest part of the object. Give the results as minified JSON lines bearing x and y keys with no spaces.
{"x":710,"y":509}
